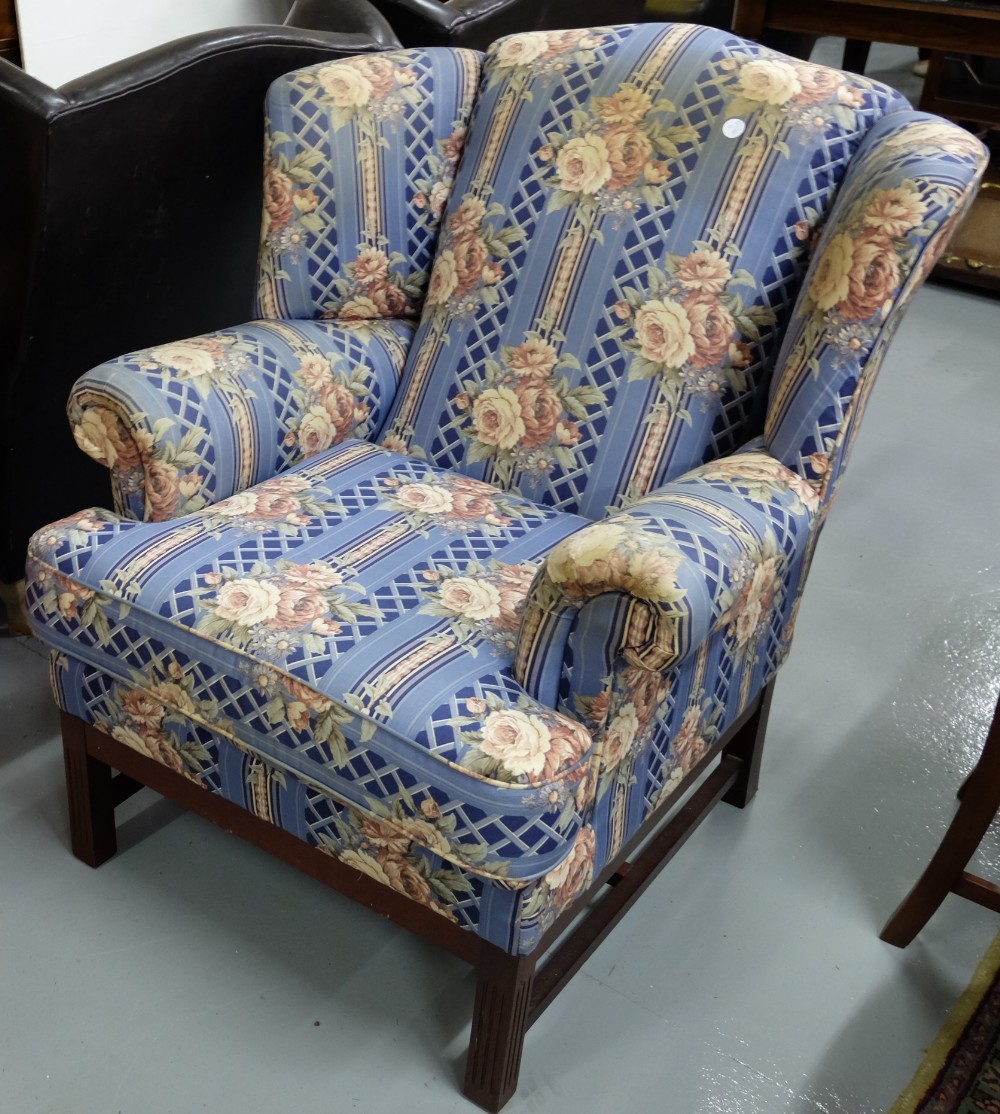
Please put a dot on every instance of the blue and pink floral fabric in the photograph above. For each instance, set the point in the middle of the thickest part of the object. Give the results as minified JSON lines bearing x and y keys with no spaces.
{"x":460,"y":560}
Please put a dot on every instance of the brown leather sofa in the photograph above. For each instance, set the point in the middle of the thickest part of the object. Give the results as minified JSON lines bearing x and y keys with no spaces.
{"x":477,"y":23}
{"x":131,"y":208}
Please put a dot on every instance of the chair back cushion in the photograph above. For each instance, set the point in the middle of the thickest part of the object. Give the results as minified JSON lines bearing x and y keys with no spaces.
{"x":627,"y":232}
{"x":360,"y":156}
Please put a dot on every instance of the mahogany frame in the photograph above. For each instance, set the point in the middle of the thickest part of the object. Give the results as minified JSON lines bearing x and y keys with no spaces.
{"x":512,"y":991}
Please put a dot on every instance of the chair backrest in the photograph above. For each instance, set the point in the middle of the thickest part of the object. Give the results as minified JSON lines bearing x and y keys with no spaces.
{"x":360,"y":157}
{"x":628,"y":231}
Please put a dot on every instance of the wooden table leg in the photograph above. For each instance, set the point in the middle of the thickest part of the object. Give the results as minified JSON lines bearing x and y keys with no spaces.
{"x":980,"y":799}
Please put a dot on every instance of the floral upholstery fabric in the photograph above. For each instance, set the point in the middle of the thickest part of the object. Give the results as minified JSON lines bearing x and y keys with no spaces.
{"x":462,"y":600}
{"x":361,"y":154}
{"x":907,"y":186}
{"x":351,"y":622}
{"x":606,"y":303}
{"x":186,"y":424}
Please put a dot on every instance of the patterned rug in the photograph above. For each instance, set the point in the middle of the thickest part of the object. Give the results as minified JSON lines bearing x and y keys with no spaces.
{"x":961,"y":1072}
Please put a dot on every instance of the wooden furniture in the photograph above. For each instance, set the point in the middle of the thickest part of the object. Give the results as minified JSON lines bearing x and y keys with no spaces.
{"x":979,"y":800}
{"x":936,"y":24}
{"x":10,"y":47}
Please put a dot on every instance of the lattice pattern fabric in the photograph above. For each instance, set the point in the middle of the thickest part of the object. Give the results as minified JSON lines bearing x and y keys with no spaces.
{"x":464,"y":600}
{"x":606,"y":304}
{"x":361,"y":155}
{"x":186,"y":424}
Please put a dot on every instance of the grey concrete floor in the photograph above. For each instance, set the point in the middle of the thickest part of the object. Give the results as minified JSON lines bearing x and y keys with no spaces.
{"x":193,"y":973}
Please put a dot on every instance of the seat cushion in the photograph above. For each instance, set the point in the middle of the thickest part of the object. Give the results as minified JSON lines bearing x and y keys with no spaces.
{"x":351,"y":622}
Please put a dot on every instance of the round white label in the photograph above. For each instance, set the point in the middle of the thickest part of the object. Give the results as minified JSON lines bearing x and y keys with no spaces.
{"x":733,"y":128}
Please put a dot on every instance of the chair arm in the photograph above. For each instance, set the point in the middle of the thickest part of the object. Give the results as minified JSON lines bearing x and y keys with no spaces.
{"x":911,"y":181}
{"x":718,"y":547}
{"x":186,"y":424}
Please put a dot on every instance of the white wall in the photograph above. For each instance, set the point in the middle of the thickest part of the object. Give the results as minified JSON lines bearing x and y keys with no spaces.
{"x":62,"y":39}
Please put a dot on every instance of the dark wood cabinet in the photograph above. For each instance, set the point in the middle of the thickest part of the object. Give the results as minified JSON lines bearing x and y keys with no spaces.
{"x":10,"y":47}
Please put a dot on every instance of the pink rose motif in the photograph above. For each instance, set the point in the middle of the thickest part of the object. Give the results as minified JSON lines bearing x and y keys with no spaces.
{"x":470,"y":256}
{"x":467,"y":218}
{"x":339,"y":404}
{"x":873,"y":277}
{"x":316,"y":431}
{"x":533,"y":357}
{"x":704,"y":271}
{"x":574,"y":874}
{"x":279,"y":201}
{"x":628,"y":150}
{"x":297,"y":608}
{"x":817,"y":83}
{"x":471,"y":504}
{"x":314,"y":576}
{"x":162,"y":487}
{"x":381,"y":74}
{"x":712,"y":328}
{"x":272,"y":505}
{"x":541,"y":409}
{"x":371,"y":265}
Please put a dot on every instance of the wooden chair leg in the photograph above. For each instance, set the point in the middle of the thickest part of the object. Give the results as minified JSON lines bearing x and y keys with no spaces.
{"x":980,"y":798}
{"x":748,"y":746}
{"x":91,"y":797}
{"x":499,"y":1022}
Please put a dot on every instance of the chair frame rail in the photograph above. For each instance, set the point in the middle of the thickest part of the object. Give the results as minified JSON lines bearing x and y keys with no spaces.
{"x":512,"y":991}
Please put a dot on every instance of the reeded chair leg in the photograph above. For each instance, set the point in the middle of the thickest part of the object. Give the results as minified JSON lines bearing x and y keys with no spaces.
{"x":945,"y":874}
{"x":500,"y":1020}
{"x":92,"y":797}
{"x":748,"y":746}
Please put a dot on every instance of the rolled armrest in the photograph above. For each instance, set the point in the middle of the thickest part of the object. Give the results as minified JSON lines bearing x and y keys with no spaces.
{"x":720,"y":547}
{"x":186,"y":424}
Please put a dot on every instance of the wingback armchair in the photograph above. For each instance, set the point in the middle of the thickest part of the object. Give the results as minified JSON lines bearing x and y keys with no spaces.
{"x":448,"y":575}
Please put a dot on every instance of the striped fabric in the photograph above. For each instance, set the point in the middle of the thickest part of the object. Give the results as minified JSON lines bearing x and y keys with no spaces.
{"x":459,"y":560}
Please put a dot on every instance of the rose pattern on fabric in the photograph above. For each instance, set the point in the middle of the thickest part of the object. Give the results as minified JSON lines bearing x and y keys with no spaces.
{"x":758,"y":475}
{"x":789,"y":99}
{"x":376,"y":286}
{"x":620,"y":717}
{"x":469,"y":264}
{"x":616,"y":556}
{"x":287,"y":503}
{"x":858,"y":272}
{"x":331,"y":403}
{"x":150,"y":716}
{"x":532,"y":54}
{"x":689,"y":329}
{"x":520,"y":413}
{"x":526,"y":744}
{"x":273,"y":611}
{"x":366,"y":88}
{"x":698,"y":731}
{"x":618,"y":155}
{"x":434,"y":190}
{"x":449,"y":501}
{"x":480,"y":601}
{"x":168,"y":475}
{"x":564,"y":884}
{"x":755,"y":591}
{"x":387,"y":847}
